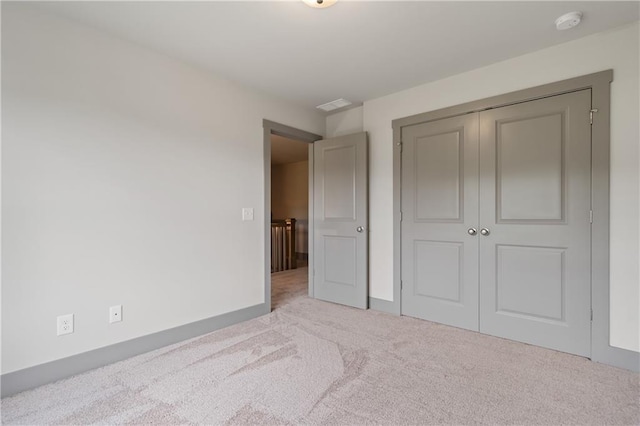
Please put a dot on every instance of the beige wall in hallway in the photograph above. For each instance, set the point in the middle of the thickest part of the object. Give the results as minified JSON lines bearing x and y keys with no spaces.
{"x":290,"y":198}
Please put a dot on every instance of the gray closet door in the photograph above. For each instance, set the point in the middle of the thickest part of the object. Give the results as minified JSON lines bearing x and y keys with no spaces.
{"x":439,"y":217}
{"x":341,"y":220}
{"x":535,"y":171}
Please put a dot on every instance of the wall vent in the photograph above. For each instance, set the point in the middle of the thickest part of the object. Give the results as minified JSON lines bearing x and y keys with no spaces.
{"x":333,"y":105}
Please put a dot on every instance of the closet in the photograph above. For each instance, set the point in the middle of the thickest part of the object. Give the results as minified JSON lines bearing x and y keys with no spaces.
{"x":496,"y":221}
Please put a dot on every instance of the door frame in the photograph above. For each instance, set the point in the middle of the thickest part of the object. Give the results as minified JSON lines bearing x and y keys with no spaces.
{"x":600,"y":85}
{"x":273,"y":128}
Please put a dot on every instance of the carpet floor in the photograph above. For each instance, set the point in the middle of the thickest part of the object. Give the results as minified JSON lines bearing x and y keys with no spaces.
{"x":311,"y":362}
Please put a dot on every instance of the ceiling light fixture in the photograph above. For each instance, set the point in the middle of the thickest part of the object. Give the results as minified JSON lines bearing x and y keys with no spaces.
{"x":319,"y":4}
{"x":568,"y":20}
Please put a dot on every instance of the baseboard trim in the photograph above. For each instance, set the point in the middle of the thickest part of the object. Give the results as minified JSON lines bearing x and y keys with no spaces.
{"x":615,"y":357}
{"x":382,"y":305}
{"x":38,"y":375}
{"x":618,"y":357}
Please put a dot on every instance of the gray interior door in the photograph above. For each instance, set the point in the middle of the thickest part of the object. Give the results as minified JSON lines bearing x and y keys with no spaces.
{"x":496,"y":230}
{"x":535,"y":197}
{"x":340,"y":206}
{"x":439,"y":217}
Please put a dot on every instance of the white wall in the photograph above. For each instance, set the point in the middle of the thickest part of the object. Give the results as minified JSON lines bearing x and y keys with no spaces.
{"x":616,"y":49}
{"x":344,"y":123}
{"x":123,"y":177}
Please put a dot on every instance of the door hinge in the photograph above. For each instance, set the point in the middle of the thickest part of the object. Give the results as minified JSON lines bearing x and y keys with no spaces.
{"x":400,"y":215}
{"x":590,"y":216}
{"x":591,"y":314}
{"x":399,"y":143}
{"x":591,"y":114}
{"x":400,"y":284}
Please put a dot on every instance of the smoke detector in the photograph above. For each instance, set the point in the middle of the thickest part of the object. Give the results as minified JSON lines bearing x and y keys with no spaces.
{"x":333,"y":105}
{"x":568,"y":20}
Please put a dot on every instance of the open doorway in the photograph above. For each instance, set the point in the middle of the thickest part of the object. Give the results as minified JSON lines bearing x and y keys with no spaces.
{"x":287,"y":213}
{"x":289,"y":219}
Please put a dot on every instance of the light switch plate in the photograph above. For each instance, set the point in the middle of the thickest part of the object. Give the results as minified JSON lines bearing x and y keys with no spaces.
{"x":247,"y":213}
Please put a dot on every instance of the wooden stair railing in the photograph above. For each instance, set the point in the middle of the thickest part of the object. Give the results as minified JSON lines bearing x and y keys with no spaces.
{"x":283,"y":245}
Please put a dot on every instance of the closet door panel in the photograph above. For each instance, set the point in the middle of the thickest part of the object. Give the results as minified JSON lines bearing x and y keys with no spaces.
{"x":535,"y":166}
{"x":439,"y":206}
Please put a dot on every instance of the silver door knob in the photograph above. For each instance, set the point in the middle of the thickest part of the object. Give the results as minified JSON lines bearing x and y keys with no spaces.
{"x":484,"y":231}
{"x":359,"y":229}
{"x":472,"y":231}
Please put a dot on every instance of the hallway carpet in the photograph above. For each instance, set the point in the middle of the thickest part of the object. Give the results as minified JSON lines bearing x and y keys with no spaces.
{"x":311,"y":362}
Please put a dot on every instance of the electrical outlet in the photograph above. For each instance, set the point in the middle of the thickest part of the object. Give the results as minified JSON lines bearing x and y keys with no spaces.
{"x":247,"y":213}
{"x":115,"y":313}
{"x":65,"y":324}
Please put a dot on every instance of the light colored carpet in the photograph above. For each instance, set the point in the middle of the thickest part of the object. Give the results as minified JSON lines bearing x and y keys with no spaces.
{"x":311,"y":362}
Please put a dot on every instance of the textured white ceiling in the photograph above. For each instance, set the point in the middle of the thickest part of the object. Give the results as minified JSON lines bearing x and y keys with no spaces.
{"x":358,"y":50}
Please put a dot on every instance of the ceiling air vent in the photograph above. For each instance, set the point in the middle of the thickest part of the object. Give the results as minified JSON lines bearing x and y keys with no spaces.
{"x":333,"y":105}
